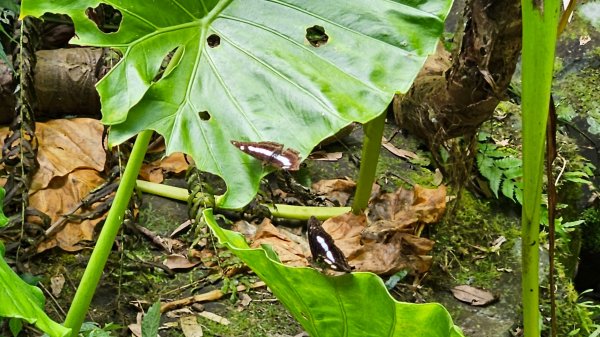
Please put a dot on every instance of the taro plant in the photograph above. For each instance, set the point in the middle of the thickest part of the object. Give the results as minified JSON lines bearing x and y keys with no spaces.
{"x":291,"y":72}
{"x":540,"y":23}
{"x":20,"y":300}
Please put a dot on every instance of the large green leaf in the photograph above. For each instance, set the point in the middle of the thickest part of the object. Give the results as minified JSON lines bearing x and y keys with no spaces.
{"x":3,"y":218}
{"x":355,"y":304}
{"x":264,"y":80}
{"x":21,"y":300}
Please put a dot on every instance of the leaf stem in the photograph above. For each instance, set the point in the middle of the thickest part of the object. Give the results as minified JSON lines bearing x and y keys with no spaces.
{"x":93,"y":272}
{"x":277,"y":210}
{"x":368,"y":163}
{"x":539,"y":41}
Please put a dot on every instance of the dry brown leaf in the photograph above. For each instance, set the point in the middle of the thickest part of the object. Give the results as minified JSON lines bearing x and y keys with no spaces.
{"x":214,"y":317}
{"x":66,"y":145}
{"x":290,"y":252}
{"x":56,"y":284}
{"x":472,"y":295}
{"x":190,"y":327}
{"x":245,"y":228}
{"x":339,"y":190}
{"x":396,"y":151}
{"x":60,"y":196}
{"x":151,"y":173}
{"x":178,"y":313}
{"x":245,"y":300}
{"x":185,"y":225}
{"x":325,"y":156}
{"x":389,"y":258}
{"x":390,"y":243}
{"x":345,"y":230}
{"x":154,"y":172}
{"x":136,"y":328}
{"x":205,"y":255}
{"x":430,"y":203}
{"x":178,"y":261}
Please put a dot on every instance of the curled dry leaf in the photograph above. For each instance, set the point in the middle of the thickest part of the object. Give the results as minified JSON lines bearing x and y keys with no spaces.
{"x":290,"y":252}
{"x":66,"y":145}
{"x":60,"y":196}
{"x":402,"y":252}
{"x":214,"y":317}
{"x":338,"y":190}
{"x":190,"y":327}
{"x":245,"y":300}
{"x":396,"y":151}
{"x":70,"y":155}
{"x":405,"y":210}
{"x":389,"y":244}
{"x":178,"y":261}
{"x":472,"y":295}
{"x":56,"y":284}
{"x":178,"y":313}
{"x":154,"y":172}
{"x":245,"y":228}
{"x":325,"y":156}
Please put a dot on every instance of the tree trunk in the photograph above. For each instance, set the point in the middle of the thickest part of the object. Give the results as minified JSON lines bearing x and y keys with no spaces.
{"x":64,"y":81}
{"x":454,"y":94}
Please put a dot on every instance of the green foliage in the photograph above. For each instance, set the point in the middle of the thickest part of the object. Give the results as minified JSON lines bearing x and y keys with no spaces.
{"x":23,"y":301}
{"x":151,"y":321}
{"x":504,"y":171}
{"x":8,"y":11}
{"x":3,"y":218}
{"x":501,"y":168}
{"x":540,"y":20}
{"x":15,"y":325}
{"x":261,"y":75}
{"x":593,"y":120}
{"x":587,"y":312}
{"x":355,"y":304}
{"x":92,"y":329}
{"x":202,"y":101}
{"x":591,"y":230}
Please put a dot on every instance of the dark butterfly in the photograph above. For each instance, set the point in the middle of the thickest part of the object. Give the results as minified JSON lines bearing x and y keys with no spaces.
{"x":271,"y":153}
{"x":323,"y":249}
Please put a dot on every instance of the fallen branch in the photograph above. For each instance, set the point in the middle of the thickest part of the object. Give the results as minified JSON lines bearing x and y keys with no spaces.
{"x":209,"y":296}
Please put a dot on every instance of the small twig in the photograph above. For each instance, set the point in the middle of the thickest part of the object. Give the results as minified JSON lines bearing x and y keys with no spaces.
{"x":156,"y":240}
{"x":209,"y":296}
{"x":562,"y":170}
{"x":551,"y":155}
{"x":56,"y":304}
{"x":158,"y":265}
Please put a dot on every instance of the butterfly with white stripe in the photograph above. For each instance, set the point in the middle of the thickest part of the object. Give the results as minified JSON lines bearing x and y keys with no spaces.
{"x":323,"y":249}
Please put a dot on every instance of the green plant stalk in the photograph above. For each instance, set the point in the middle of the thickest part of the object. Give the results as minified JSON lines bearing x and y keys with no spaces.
{"x":373,"y":131}
{"x":93,"y":271}
{"x":171,"y":192}
{"x":540,"y":20}
{"x":277,"y":210}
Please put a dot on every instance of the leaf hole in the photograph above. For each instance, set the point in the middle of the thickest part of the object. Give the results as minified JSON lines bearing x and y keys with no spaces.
{"x":213,"y":40}
{"x":163,"y":65}
{"x":106,"y":17}
{"x":204,"y":115}
{"x":316,"y":36}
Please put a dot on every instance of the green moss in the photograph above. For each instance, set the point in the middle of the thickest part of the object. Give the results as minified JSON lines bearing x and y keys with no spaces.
{"x":260,"y":319}
{"x":465,"y":239}
{"x":591,"y":230}
{"x":579,"y":89}
{"x":574,"y":318}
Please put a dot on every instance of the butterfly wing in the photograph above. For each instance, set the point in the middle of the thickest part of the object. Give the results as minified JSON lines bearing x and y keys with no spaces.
{"x":323,"y":248}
